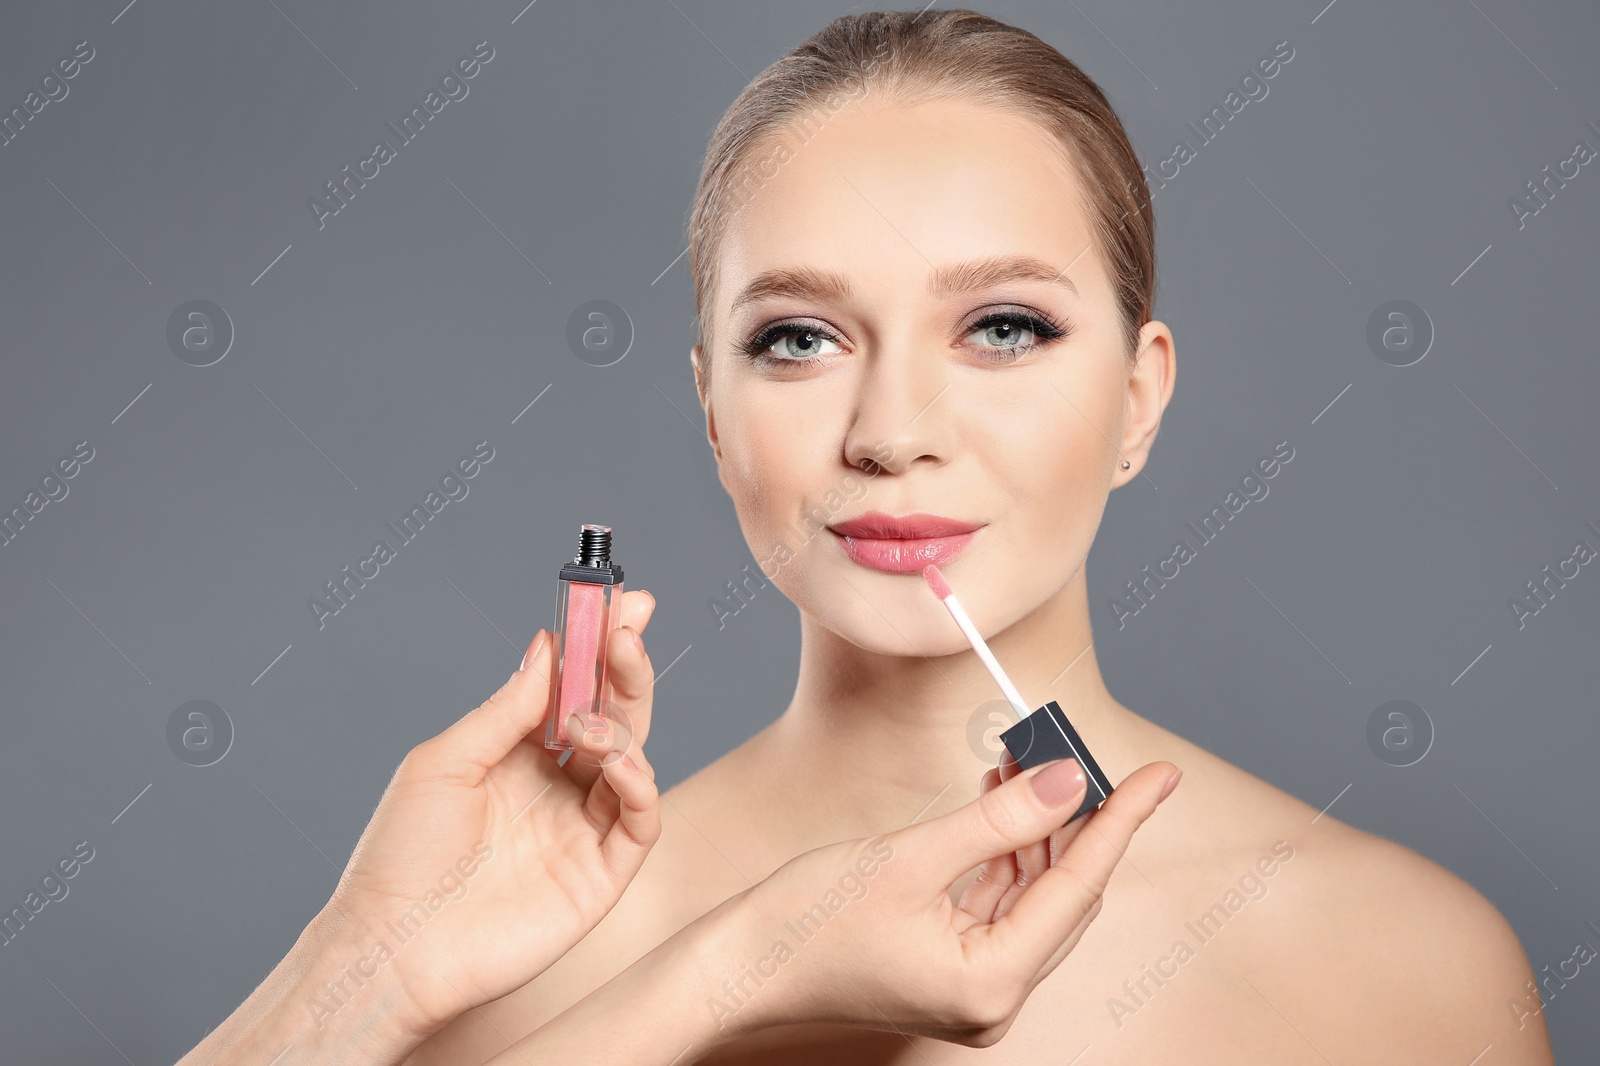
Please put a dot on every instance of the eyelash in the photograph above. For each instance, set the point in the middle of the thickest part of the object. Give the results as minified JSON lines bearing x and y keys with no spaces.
{"x":1044,"y":329}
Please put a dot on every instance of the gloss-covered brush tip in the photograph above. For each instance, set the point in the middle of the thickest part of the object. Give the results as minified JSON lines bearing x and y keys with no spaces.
{"x":941,"y":588}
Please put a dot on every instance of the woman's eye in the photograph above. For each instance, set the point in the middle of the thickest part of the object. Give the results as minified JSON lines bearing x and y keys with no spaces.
{"x":1002,"y":337}
{"x":1011,"y":335}
{"x":1006,"y":334}
{"x":793,"y":345}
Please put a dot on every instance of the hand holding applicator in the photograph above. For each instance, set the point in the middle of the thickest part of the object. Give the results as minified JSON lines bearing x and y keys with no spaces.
{"x":1042,"y":735}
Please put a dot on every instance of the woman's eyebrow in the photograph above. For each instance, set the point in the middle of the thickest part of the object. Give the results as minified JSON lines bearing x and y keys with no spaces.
{"x":799,"y":282}
{"x":995,"y":270}
{"x":809,"y":283}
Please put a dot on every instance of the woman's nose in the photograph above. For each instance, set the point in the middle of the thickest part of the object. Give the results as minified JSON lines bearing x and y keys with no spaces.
{"x":897,"y":420}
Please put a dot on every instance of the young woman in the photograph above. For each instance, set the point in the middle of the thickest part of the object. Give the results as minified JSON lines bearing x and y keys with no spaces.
{"x":923,"y":256}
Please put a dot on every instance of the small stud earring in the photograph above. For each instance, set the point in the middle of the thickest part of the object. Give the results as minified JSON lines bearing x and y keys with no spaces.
{"x":1126,"y":464}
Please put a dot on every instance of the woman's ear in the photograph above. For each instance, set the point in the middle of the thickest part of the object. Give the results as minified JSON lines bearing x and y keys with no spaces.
{"x":1149,"y":390}
{"x":697,"y":358}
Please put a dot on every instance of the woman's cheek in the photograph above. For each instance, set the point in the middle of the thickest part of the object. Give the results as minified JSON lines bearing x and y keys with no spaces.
{"x":765,"y":497}
{"x":1067,"y":478}
{"x":750,"y":486}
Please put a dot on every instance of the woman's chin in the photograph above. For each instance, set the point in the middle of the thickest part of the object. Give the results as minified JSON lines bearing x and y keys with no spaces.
{"x":878,"y":611}
{"x":881,"y":629}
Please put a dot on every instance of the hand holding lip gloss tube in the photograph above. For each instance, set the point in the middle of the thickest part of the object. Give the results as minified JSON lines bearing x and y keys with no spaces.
{"x":1042,"y":735}
{"x":518,"y":855}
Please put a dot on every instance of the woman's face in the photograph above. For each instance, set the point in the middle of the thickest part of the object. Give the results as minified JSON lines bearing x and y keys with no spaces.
{"x":911,"y":320}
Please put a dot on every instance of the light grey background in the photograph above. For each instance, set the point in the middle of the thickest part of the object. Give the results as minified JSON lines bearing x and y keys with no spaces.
{"x":426,"y":316}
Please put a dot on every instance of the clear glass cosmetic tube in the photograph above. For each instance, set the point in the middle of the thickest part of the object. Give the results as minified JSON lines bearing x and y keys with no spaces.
{"x":588,"y":602}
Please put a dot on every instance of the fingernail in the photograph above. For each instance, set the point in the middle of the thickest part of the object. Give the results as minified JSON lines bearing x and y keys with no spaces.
{"x":574,"y":726}
{"x":630,"y":764}
{"x":1167,"y":791}
{"x":1058,"y":782}
{"x":597,"y":726}
{"x":538,"y":646}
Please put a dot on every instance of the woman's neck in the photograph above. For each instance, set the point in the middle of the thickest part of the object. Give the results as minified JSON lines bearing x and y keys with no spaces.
{"x":881,"y":739}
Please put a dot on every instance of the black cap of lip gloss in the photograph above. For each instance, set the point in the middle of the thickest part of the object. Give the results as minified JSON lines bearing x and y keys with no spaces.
{"x":1046,"y":735}
{"x":592,"y":564}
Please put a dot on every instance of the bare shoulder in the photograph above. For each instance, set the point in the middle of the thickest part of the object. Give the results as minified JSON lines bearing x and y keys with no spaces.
{"x":1426,"y":960}
{"x":683,"y":877}
{"x":1381,"y":952}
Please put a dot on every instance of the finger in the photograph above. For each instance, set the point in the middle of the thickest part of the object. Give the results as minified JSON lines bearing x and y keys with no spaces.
{"x":604,"y":738}
{"x":602,"y":805}
{"x":591,"y":738}
{"x":625,"y":718}
{"x":1008,"y":900}
{"x":1058,"y":902}
{"x":529,"y":656}
{"x":1062,"y":838}
{"x":1065,"y":947}
{"x":995,"y":877}
{"x":636,"y":609}
{"x":640,"y":759}
{"x":1031,"y":859}
{"x":633,"y":682}
{"x":1017,"y":812}
{"x":638,"y":823}
{"x":482,"y":737}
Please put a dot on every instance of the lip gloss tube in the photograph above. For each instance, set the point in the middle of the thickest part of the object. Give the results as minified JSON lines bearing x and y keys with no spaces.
{"x":588,"y":608}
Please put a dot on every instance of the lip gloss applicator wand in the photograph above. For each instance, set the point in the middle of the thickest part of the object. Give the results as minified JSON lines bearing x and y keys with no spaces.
{"x":1043,"y":734}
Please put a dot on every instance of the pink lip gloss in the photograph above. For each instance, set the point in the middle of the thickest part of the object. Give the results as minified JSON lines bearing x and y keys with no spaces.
{"x":588,"y":601}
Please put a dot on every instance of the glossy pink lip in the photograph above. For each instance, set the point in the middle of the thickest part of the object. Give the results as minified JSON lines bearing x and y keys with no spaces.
{"x":905,"y":543}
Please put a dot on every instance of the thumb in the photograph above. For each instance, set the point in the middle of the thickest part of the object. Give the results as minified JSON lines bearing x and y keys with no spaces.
{"x":484,"y":736}
{"x":1019,"y":812}
{"x":1056,"y":904}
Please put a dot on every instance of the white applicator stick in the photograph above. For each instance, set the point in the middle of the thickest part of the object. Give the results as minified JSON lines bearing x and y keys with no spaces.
{"x":941,"y":588}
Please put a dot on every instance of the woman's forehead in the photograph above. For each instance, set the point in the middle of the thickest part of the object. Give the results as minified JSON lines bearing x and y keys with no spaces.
{"x":909,"y":190}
